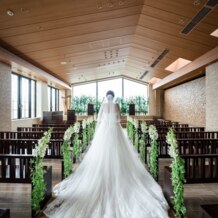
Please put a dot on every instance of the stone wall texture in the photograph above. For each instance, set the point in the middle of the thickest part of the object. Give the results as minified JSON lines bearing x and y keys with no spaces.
{"x":186,"y":103}
{"x":212,"y":97}
{"x":5,"y":97}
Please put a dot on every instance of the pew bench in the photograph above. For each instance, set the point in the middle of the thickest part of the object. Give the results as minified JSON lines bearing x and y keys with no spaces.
{"x":209,"y":210}
{"x":16,"y":169}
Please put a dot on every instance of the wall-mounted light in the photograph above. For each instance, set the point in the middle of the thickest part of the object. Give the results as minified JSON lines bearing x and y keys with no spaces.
{"x":10,"y":13}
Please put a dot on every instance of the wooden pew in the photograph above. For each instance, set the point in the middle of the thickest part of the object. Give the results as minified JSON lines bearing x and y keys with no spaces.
{"x":198,"y":169}
{"x":29,"y":135}
{"x":27,"y":146}
{"x":40,"y":129}
{"x":187,"y":135}
{"x":190,"y":146}
{"x":16,"y":169}
{"x":4,"y":213}
{"x":51,"y":125}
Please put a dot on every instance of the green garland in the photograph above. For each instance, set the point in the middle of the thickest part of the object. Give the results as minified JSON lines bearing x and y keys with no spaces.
{"x":84,"y":138}
{"x":76,"y":146}
{"x":67,"y":158}
{"x":131,"y":132}
{"x":136,"y":140}
{"x":37,"y":172}
{"x":153,"y":158}
{"x":177,"y":176}
{"x":143,"y":147}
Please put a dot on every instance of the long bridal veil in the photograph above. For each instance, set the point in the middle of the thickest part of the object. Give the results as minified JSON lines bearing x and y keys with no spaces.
{"x":111,"y":181}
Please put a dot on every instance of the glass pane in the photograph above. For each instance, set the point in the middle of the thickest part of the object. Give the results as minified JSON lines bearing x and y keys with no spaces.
{"x":114,"y":85}
{"x":139,"y":89}
{"x":24,"y":97}
{"x":86,"y":89}
{"x":33,"y":100}
{"x":49,"y":98}
{"x":14,"y":97}
{"x":53,"y":99}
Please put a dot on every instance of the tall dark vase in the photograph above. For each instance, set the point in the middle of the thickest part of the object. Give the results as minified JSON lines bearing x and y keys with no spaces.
{"x":90,"y":109}
{"x":131,"y":109}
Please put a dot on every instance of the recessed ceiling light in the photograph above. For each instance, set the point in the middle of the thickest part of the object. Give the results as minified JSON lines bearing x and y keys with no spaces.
{"x":177,"y":64}
{"x":63,"y":62}
{"x":214,"y":33}
{"x":10,"y":13}
{"x":196,"y":2}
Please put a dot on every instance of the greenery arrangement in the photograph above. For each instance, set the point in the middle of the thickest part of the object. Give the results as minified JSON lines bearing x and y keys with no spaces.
{"x":79,"y":104}
{"x":153,"y":158}
{"x":76,"y":143}
{"x":143,"y":140}
{"x":67,"y":152}
{"x":37,"y":172}
{"x":84,"y":134}
{"x":178,"y":174}
{"x":130,"y":128}
{"x":136,"y":134}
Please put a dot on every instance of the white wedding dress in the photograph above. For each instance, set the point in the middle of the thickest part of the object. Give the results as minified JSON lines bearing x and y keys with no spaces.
{"x":111,"y":181}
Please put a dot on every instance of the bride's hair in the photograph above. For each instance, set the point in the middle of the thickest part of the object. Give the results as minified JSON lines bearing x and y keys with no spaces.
{"x":110,"y":93}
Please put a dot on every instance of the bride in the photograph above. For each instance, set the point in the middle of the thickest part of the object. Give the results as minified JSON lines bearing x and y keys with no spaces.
{"x":111,"y":181}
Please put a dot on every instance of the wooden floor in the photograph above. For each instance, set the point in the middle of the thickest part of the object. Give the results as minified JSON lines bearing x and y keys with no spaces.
{"x":17,"y":196}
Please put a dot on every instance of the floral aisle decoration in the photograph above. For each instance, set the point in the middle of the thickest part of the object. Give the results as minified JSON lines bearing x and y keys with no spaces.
{"x":37,"y":172}
{"x":177,"y":175}
{"x":84,"y":133}
{"x":136,"y":134}
{"x":67,"y":152}
{"x":76,"y":143}
{"x":130,"y":128}
{"x":143,"y":141}
{"x":153,"y":157}
{"x":90,"y":127}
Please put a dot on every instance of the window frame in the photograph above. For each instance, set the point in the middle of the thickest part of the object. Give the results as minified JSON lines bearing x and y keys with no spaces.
{"x":19,"y":97}
{"x":57,"y":101}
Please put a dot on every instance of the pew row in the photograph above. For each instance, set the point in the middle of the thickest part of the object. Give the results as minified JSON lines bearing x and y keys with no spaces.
{"x":16,"y":169}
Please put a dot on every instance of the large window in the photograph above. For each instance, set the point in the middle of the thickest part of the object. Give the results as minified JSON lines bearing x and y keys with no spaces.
{"x":23,"y":97}
{"x":132,"y":89}
{"x":86,"y":89}
{"x":122,"y":88}
{"x":53,"y":99}
{"x":104,"y":86}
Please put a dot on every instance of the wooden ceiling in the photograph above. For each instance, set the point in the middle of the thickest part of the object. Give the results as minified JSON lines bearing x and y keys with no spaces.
{"x":104,"y":38}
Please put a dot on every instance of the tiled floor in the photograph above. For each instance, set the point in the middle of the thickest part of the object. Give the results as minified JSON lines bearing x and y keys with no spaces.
{"x":17,"y":196}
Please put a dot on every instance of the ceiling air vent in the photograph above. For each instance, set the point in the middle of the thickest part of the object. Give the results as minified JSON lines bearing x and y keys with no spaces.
{"x":160,"y":57}
{"x":211,"y":4}
{"x":144,"y":74}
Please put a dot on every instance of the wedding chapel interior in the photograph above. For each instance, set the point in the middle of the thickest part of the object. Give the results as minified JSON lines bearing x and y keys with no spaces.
{"x":57,"y":61}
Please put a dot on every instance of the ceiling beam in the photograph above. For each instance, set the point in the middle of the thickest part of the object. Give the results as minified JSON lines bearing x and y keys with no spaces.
{"x":187,"y":70}
{"x":9,"y":57}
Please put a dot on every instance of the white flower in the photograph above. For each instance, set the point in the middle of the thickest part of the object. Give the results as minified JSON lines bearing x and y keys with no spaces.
{"x":144,"y":127}
{"x":171,"y":140}
{"x":76,"y":127}
{"x":153,"y":132}
{"x":40,"y":149}
{"x":68,"y":133}
{"x":136,"y":124}
{"x":84,"y":123}
{"x":130,"y":119}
